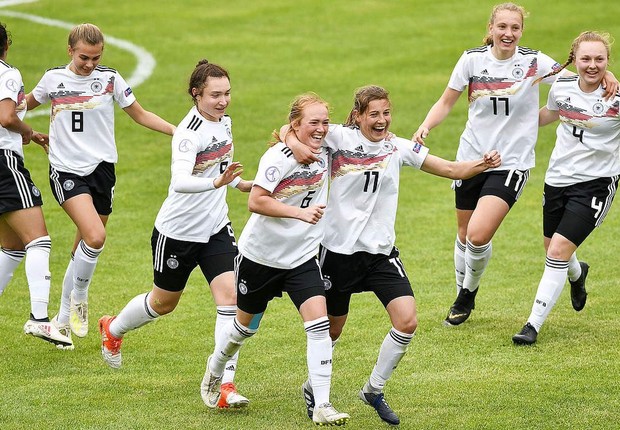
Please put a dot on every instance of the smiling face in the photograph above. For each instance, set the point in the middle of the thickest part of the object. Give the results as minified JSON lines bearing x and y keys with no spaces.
{"x":312,"y":128}
{"x":506,"y":31}
{"x":591,"y":59}
{"x":375,"y":122}
{"x":85,"y":57}
{"x":214,"y":98}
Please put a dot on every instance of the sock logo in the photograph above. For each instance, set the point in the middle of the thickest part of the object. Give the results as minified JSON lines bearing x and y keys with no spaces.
{"x":325,"y":362}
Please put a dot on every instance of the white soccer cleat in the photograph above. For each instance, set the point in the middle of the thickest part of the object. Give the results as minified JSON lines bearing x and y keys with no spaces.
{"x":47,"y":331}
{"x":229,"y":398}
{"x":210,"y":387}
{"x":65,"y":330}
{"x":326,"y":415}
{"x":110,"y":345}
{"x":78,"y":317}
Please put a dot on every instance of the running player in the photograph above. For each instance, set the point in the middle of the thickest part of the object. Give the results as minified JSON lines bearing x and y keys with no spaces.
{"x":192,"y":227}
{"x":582,"y":177}
{"x":503,"y":114}
{"x":82,"y":154}
{"x":358,"y":253}
{"x":22,"y":228}
{"x":278,"y":248}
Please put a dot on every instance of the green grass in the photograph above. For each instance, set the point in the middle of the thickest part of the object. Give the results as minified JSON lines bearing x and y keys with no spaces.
{"x":468,"y":377}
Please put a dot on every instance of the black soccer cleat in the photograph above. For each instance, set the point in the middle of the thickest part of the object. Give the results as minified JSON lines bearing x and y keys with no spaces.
{"x":578,"y":292}
{"x":463,"y":305}
{"x":527,"y":335}
{"x":378,"y":402}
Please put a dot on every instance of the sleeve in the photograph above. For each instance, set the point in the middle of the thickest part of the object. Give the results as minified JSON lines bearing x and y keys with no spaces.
{"x":334,"y":136}
{"x":271,"y":169}
{"x":10,"y":85}
{"x":123,"y":93}
{"x":39,"y":92}
{"x":461,"y":74}
{"x":184,"y":150}
{"x":411,"y":154}
{"x":546,"y":65}
{"x":551,"y":104}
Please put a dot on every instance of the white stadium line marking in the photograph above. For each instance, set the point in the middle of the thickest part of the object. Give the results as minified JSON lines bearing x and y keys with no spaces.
{"x":145,"y":61}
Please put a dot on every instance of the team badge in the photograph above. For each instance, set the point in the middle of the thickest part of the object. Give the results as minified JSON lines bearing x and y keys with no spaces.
{"x":388,"y":147}
{"x":96,"y":86}
{"x":456,"y":184}
{"x":127,"y":92}
{"x":243,"y":289}
{"x":272,"y":174}
{"x":321,"y":163}
{"x":172,"y":262}
{"x":184,"y":145}
{"x":327,"y":283}
{"x":517,"y":72}
{"x":35,"y":191}
{"x":417,"y":147}
{"x":598,"y":108}
{"x":68,"y":185}
{"x":12,"y":85}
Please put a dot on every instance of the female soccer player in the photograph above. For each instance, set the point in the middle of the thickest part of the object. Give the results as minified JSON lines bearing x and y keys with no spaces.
{"x":22,"y":227}
{"x":358,"y":253}
{"x":582,"y":177}
{"x":278,"y":249}
{"x":503,"y":114}
{"x":192,"y":227}
{"x":82,"y":154}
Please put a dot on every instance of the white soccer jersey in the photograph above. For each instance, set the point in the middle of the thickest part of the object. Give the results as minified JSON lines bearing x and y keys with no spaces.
{"x":363,"y":195}
{"x":12,"y":87}
{"x":285,"y":243}
{"x":195,"y":217}
{"x":587,"y":145}
{"x":82,"y":116}
{"x":503,"y":104}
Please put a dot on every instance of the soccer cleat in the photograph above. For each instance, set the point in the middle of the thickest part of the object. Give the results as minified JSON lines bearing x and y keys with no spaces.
{"x":65,"y":330}
{"x":110,"y":345}
{"x":210,"y":387}
{"x":527,"y":335}
{"x":308,"y":394}
{"x":78,"y":317}
{"x":47,"y":331}
{"x":378,"y":402}
{"x":326,"y":415}
{"x":461,"y":309}
{"x":578,"y":292}
{"x":229,"y":398}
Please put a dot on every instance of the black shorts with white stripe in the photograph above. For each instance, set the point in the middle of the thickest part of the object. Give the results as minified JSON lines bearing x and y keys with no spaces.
{"x":17,"y":191}
{"x":505,"y":184}
{"x":99,"y":185}
{"x":576,"y":210}
{"x":345,"y":275}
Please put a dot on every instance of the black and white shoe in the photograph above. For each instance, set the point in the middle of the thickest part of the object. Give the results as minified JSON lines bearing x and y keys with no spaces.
{"x":578,"y":294}
{"x":527,"y":335}
{"x":461,"y":309}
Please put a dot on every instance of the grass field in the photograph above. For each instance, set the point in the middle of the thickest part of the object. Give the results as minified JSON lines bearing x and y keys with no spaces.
{"x":467,"y":377}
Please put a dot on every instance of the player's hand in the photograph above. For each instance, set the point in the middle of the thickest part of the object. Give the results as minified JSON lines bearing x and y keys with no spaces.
{"x":232,"y":171}
{"x":41,"y":139}
{"x":610,"y":84}
{"x":492,"y":159}
{"x":311,"y":214}
{"x":420,"y":135}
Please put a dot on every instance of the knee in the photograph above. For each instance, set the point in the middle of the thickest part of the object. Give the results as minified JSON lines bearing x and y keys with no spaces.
{"x":407,"y":325}
{"x":334,"y":333}
{"x":478,"y":238}
{"x":95,"y":239}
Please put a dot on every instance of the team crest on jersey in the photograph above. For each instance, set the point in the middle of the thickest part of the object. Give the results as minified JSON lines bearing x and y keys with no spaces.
{"x":327,"y":283}
{"x":12,"y":85}
{"x":598,"y":108}
{"x":388,"y":147}
{"x":518,"y":73}
{"x":243,"y":289}
{"x":172,"y":262}
{"x":321,"y":163}
{"x":35,"y":191}
{"x":68,"y":185}
{"x":272,"y":174}
{"x":184,"y":145}
{"x":96,"y":87}
{"x":228,"y":132}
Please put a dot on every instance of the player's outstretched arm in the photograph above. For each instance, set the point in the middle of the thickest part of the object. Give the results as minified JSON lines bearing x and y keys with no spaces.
{"x":460,"y":169}
{"x":438,"y":112}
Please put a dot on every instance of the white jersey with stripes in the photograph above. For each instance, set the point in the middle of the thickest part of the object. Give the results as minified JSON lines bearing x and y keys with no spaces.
{"x":82,"y":116}
{"x":587,"y":142}
{"x":208,"y":145}
{"x":12,"y":87}
{"x":503,"y":104}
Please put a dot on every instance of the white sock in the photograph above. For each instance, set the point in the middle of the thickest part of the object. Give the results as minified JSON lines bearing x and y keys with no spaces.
{"x":319,"y":358}
{"x":225,"y":315}
{"x":135,"y":314}
{"x":574,"y":268}
{"x":228,"y":344}
{"x":392,"y":350}
{"x":549,"y":289}
{"x":476,"y":260}
{"x":84,"y":263}
{"x":459,"y":264}
{"x":38,"y":275}
{"x":9,"y":260}
{"x":65,"y":297}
